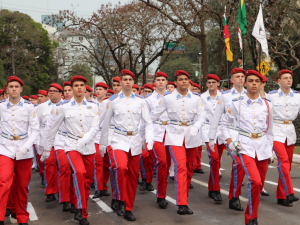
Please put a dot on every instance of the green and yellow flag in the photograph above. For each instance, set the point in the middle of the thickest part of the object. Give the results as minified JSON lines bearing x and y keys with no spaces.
{"x":242,"y":20}
{"x":227,"y":41}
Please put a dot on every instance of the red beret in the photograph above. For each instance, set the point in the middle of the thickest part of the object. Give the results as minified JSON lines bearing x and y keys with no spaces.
{"x":182,"y":72}
{"x":127,"y":72}
{"x":34,"y":96}
{"x":102,"y":84}
{"x":230,"y":82}
{"x":136,"y":86}
{"x":149,"y":86}
{"x":191,"y":82}
{"x":212,"y":76}
{"x":238,"y":70}
{"x":161,"y":74}
{"x":57,"y":86}
{"x":25,"y":97}
{"x":67,"y":83}
{"x":265,"y":79}
{"x":5,"y":86}
{"x":254,"y":72}
{"x":172,"y":83}
{"x":142,"y":88}
{"x":153,"y":85}
{"x":197,"y":85}
{"x":78,"y":78}
{"x":1,"y":92}
{"x":284,"y":71}
{"x":95,"y":94}
{"x":116,"y":79}
{"x":110,"y":91}
{"x":88,"y":88}
{"x":42,"y":92}
{"x":14,"y":78}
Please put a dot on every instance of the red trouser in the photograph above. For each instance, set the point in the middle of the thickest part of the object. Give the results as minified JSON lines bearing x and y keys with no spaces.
{"x":82,"y":173}
{"x":146,"y":165}
{"x":126,"y":168}
{"x":256,"y":172}
{"x":64,"y":173}
{"x":214,"y":162}
{"x":197,"y":160}
{"x":183,"y":166}
{"x":41,"y":166}
{"x":237,"y":176}
{"x":284,"y":155}
{"x":101,"y":172}
{"x":51,"y":174}
{"x":114,"y":189}
{"x":11,"y":199}
{"x":163,"y":163}
{"x":22,"y":171}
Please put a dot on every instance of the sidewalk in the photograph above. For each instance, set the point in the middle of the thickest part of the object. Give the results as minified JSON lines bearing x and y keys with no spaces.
{"x":296,"y":158}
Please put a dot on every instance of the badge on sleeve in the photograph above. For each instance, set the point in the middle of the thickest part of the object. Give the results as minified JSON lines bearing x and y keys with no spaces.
{"x":107,"y":106}
{"x":56,"y":111}
{"x":89,"y":107}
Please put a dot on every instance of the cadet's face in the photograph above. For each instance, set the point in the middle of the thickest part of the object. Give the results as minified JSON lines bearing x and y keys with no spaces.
{"x":170,"y":87}
{"x":134,"y":90}
{"x":68,"y":93}
{"x":78,"y":88}
{"x":196,"y":90}
{"x":108,"y":94}
{"x":127,"y":82}
{"x":238,"y":79}
{"x":253,"y":84}
{"x":212,"y":84}
{"x":33,"y":101}
{"x":161,"y":82}
{"x":87,"y":94}
{"x":117,"y":87}
{"x":191,"y":87}
{"x":54,"y":94}
{"x":101,"y":92}
{"x":182,"y":82}
{"x":42,"y":98}
{"x":285,"y":80}
{"x":14,"y":89}
{"x":147,"y":91}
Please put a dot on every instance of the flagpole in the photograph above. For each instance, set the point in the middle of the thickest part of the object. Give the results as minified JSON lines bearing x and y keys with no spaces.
{"x":228,"y":83}
{"x":243,"y":56}
{"x":259,"y":53}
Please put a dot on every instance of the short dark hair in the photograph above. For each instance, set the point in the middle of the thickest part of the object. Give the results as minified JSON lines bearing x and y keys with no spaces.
{"x":253,"y":75}
{"x":76,"y":81}
{"x":240,"y":58}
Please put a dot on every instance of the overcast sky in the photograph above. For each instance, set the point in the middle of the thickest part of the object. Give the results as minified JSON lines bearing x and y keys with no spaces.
{"x":36,"y":8}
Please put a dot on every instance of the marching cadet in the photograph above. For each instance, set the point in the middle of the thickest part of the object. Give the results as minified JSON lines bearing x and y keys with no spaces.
{"x":254,"y":116}
{"x":81,"y":118}
{"x":42,"y":96}
{"x":68,"y":93}
{"x":135,"y":89}
{"x":171,"y":86}
{"x":211,"y":98}
{"x":109,"y":93}
{"x":18,"y":116}
{"x":237,"y":172}
{"x":34,"y":99}
{"x":88,"y":92}
{"x":196,"y":88}
{"x":127,"y":110}
{"x":160,"y":151}
{"x":117,"y":85}
{"x":286,"y":109}
{"x":185,"y":111}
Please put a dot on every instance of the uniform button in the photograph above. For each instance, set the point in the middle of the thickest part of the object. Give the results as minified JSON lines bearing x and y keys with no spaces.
{"x":183,"y":118}
{"x":254,"y":118}
{"x":253,"y":112}
{"x":12,"y":119}
{"x":128,"y":110}
{"x":81,"y":125}
{"x":214,"y":109}
{"x":13,"y":129}
{"x":12,"y":115}
{"x":254,"y":123}
{"x":79,"y":114}
{"x":183,"y":109}
{"x":183,"y":105}
{"x":286,"y":110}
{"x":253,"y":107}
{"x":80,"y":120}
{"x":128,"y":117}
{"x":79,"y":109}
{"x":254,"y":128}
{"x":13,"y":110}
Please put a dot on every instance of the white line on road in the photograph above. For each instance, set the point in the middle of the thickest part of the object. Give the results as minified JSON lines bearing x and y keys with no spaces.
{"x":103,"y":206}
{"x":31,"y":211}
{"x":273,"y":183}
{"x":207,"y":165}
{"x":172,"y":200}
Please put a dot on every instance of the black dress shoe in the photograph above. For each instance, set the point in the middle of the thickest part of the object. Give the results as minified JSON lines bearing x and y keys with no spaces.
{"x":129,"y":216}
{"x":73,"y":209}
{"x":171,"y":177}
{"x":243,"y":184}
{"x":92,"y":185}
{"x":154,"y":172}
{"x":264,"y":193}
{"x":121,"y":208}
{"x":149,"y":187}
{"x":199,"y":171}
{"x":162,"y":203}
{"x":191,"y":186}
{"x":293,"y":198}
{"x":23,"y":223}
{"x":7,"y":213}
{"x":143,"y":185}
{"x":1,"y":222}
{"x":84,"y":222}
{"x":50,"y":198}
{"x":97,"y":194}
{"x":285,"y":202}
{"x":235,"y":204}
{"x":105,"y":193}
{"x":13,"y":215}
{"x":114,"y":204}
{"x":37,"y":169}
{"x":78,"y":215}
{"x":66,"y":207}
{"x":138,"y":181}
{"x":189,"y":211}
{"x":43,"y":182}
{"x":181,"y":210}
{"x":253,"y":222}
{"x":221,"y":175}
{"x":218,"y":197}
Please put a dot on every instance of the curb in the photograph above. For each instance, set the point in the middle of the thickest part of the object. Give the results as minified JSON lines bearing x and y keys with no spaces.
{"x":296,"y":158}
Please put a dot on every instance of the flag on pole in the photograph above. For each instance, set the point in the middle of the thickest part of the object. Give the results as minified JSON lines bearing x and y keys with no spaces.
{"x":259,"y":32}
{"x":242,"y":20}
{"x":227,"y":41}
{"x":240,"y":39}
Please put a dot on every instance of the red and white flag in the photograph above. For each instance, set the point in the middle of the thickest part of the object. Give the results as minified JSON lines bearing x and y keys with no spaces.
{"x":240,"y":39}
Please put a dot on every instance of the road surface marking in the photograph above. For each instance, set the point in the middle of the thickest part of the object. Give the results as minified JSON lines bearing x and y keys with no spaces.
{"x":102,"y":205}
{"x":31,"y":211}
{"x":172,"y":200}
{"x":273,"y":183}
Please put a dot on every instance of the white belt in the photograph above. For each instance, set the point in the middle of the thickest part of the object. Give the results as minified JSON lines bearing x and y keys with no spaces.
{"x":252,"y":135}
{"x":164,"y":123}
{"x":14,"y":137}
{"x":74,"y":136}
{"x":125,"y":132}
{"x":181,"y":123}
{"x":283,"y":121}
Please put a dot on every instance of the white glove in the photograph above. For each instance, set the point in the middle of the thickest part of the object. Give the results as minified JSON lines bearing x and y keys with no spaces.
{"x":235,"y":147}
{"x":102,"y":149}
{"x":21,"y":152}
{"x":143,"y":146}
{"x":150,"y":145}
{"x":271,"y":159}
{"x":41,"y":148}
{"x":45,"y":156}
{"x":193,"y":130}
{"x":80,"y":144}
{"x":212,"y":145}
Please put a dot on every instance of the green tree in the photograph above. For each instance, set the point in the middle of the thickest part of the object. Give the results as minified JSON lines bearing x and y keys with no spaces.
{"x":82,"y":70}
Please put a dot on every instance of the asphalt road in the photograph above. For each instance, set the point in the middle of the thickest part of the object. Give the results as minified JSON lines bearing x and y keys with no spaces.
{"x":146,"y":209}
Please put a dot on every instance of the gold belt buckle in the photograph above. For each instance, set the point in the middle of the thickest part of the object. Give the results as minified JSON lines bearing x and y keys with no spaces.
{"x":164,"y":122}
{"x":129,"y":133}
{"x":183,"y":123}
{"x":16,"y":137}
{"x":254,"y":135}
{"x":285,"y":122}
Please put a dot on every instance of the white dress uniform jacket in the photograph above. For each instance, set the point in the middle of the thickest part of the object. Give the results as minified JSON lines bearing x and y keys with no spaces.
{"x":183,"y":112}
{"x":81,"y":121}
{"x":126,"y":113}
{"x":255,"y":121}
{"x":286,"y":110}
{"x":16,"y":121}
{"x":221,"y":109}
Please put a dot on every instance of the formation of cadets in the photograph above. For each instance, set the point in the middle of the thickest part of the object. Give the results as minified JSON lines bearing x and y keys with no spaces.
{"x":76,"y":141}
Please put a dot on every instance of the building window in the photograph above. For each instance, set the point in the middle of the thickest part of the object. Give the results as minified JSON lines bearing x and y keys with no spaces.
{"x":80,"y":38}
